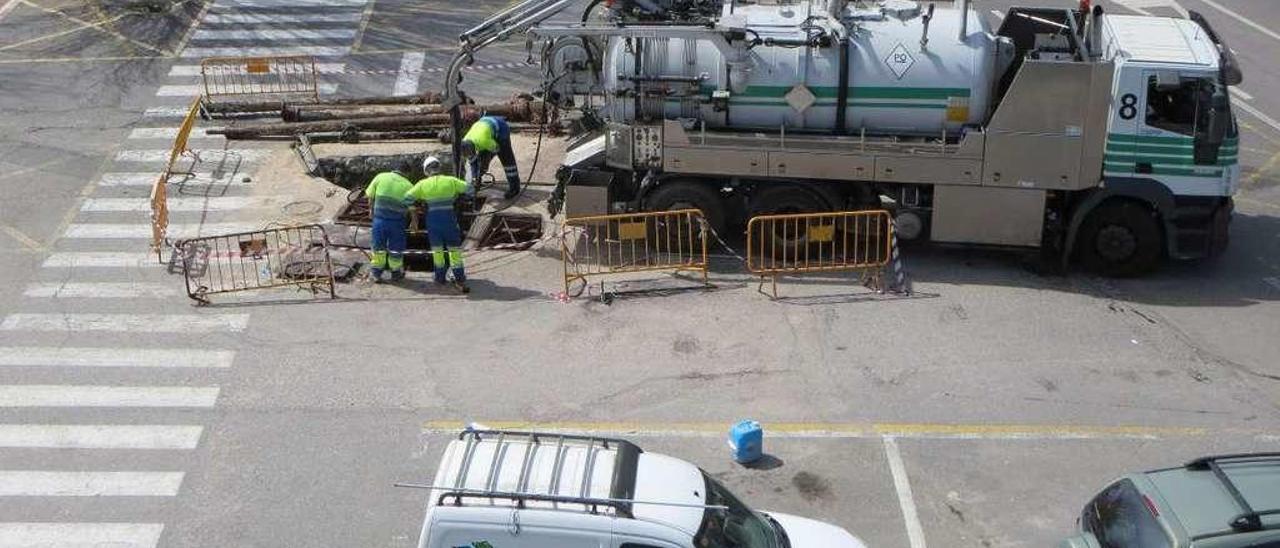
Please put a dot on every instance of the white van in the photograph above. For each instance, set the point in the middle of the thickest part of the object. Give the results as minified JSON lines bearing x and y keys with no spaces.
{"x":500,"y":489}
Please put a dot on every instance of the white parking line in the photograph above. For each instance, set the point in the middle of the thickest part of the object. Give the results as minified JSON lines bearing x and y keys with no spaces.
{"x":127,"y":323}
{"x":915,"y":532}
{"x":318,"y":51}
{"x":80,"y":535}
{"x":1242,"y":19}
{"x":100,"y":436}
{"x":101,"y":290}
{"x":101,"y":260}
{"x":1261,"y":116}
{"x":999,"y":14}
{"x":37,"y":356}
{"x":143,"y":231}
{"x":63,"y":395}
{"x":49,"y":483}
{"x":251,"y":18}
{"x":214,"y":203}
{"x":274,"y":35}
{"x":159,"y":156}
{"x":1237,"y":92}
{"x":410,"y":73}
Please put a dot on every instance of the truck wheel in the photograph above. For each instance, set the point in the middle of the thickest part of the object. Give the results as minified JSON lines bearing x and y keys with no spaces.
{"x":1121,"y":239}
{"x":676,"y":195}
{"x":785,"y":240}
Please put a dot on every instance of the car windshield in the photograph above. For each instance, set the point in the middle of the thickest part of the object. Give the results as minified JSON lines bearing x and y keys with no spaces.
{"x":1119,"y":518}
{"x":735,"y":527}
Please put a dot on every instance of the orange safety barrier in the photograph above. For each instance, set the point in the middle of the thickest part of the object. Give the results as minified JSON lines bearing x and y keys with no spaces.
{"x":159,"y":193}
{"x":296,"y":256}
{"x":252,"y":78}
{"x":780,"y":245}
{"x":634,"y":242}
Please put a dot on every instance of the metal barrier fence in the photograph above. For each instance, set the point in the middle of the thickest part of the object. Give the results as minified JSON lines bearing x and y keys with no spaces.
{"x":159,"y":192}
{"x":779,"y":245}
{"x":250,"y":78}
{"x":282,"y":257}
{"x":634,"y":242}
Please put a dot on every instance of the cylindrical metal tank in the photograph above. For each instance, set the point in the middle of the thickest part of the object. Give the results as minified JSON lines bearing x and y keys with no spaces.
{"x":898,"y":82}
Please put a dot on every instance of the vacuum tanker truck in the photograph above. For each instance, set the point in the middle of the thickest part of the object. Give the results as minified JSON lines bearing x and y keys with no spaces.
{"x":1104,"y":138}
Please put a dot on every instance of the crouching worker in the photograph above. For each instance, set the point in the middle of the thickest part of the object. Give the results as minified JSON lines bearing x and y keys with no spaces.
{"x":386,"y":195}
{"x":488,"y":137}
{"x":439,"y":192}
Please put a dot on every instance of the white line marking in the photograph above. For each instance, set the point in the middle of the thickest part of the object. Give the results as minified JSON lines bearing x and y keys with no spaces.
{"x":915,"y":532}
{"x":223,"y":18}
{"x":273,"y":35}
{"x":8,"y":7}
{"x":160,"y":156}
{"x":1242,"y":19}
{"x":38,"y":356}
{"x":101,"y":260}
{"x":42,"y":483}
{"x":1237,"y":92}
{"x":1273,"y":282}
{"x":80,"y":535}
{"x":999,"y":14}
{"x":125,"y":290}
{"x":149,"y":178}
{"x":197,"y":89}
{"x":171,"y":132}
{"x":1261,"y":116}
{"x":410,"y":73}
{"x":127,"y":323}
{"x":287,"y":3}
{"x":65,"y":395}
{"x":322,"y":68}
{"x":100,"y":436}
{"x":108,"y":231}
{"x":215,"y":203}
{"x":318,"y":51}
{"x":166,"y":112}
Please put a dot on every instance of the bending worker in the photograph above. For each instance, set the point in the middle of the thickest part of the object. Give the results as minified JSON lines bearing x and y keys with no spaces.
{"x":489,"y":136}
{"x":439,"y":192}
{"x":386,"y":195}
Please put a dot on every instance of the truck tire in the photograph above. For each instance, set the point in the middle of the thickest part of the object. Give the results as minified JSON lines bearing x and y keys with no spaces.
{"x":674,"y":195}
{"x":1121,"y":239}
{"x":783,"y":199}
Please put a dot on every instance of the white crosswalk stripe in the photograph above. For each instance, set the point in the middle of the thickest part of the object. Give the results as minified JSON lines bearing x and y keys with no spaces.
{"x":62,"y":395}
{"x":80,"y":535}
{"x":110,"y":231}
{"x":215,"y":203}
{"x":48,"y":483}
{"x":126,"y":323}
{"x":92,"y":259}
{"x":168,"y":133}
{"x":114,"y":357}
{"x":149,"y":178}
{"x":266,"y":51}
{"x":279,"y":19}
{"x":271,"y":35}
{"x":160,"y":156}
{"x":100,"y":290}
{"x":194,"y":70}
{"x":161,"y":437}
{"x":196,"y":89}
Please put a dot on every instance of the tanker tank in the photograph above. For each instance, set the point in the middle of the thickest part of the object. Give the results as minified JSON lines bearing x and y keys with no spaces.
{"x":901,"y":79}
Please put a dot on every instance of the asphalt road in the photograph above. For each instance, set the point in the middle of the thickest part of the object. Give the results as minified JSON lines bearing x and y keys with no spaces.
{"x":1004,"y":399}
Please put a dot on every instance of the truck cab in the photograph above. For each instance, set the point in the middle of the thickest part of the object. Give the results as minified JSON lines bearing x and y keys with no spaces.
{"x":498,"y":489}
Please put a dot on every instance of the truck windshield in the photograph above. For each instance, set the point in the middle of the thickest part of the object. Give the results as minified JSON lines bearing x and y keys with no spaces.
{"x":736,"y":527}
{"x":1119,"y":518}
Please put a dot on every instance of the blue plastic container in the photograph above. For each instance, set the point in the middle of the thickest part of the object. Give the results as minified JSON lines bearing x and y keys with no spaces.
{"x":746,"y":441}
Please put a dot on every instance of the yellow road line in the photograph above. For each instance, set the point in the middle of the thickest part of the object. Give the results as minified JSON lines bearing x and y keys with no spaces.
{"x":58,"y":34}
{"x":191,"y":29}
{"x":841,"y":430}
{"x":44,"y":60}
{"x":87,"y":24}
{"x":27,"y":241}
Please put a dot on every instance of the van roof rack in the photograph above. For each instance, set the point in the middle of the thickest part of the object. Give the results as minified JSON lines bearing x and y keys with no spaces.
{"x":621,"y":490}
{"x":1249,"y":519}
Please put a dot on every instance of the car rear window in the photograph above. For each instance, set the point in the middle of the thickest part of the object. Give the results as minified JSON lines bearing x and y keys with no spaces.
{"x":1120,"y":518}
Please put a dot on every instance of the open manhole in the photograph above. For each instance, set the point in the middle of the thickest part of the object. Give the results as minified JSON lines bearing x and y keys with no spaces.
{"x":512,"y":231}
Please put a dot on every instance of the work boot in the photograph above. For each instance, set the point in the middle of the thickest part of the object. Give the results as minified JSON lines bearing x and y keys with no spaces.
{"x":377,"y":275}
{"x":440,"y":276}
{"x":461,"y":286}
{"x":397,"y":275}
{"x":460,"y":280}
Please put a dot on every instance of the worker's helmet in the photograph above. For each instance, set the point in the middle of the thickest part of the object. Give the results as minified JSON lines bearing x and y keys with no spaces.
{"x":431,"y":165}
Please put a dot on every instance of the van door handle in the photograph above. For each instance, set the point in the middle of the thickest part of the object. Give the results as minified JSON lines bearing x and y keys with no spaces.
{"x":1143,"y":167}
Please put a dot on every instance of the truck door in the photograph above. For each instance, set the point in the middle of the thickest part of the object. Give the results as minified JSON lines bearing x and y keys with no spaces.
{"x":1185,"y":123}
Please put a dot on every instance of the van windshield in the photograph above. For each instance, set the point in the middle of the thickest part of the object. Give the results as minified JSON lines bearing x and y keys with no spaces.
{"x":1119,"y":518}
{"x":736,"y":527}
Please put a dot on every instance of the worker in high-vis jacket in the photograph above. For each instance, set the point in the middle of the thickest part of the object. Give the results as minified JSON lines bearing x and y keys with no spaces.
{"x":386,"y":193}
{"x":440,"y":192}
{"x":488,"y":137}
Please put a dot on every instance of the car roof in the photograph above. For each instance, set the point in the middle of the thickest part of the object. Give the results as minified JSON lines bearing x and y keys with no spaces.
{"x":1204,"y":502}
{"x":1162,"y":40}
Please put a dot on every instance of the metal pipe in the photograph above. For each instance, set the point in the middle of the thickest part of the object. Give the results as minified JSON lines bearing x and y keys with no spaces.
{"x":842,"y":92}
{"x":964,"y":20}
